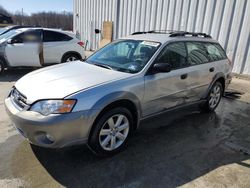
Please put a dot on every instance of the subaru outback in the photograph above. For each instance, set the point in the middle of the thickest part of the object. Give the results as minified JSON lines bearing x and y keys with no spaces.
{"x":99,"y":102}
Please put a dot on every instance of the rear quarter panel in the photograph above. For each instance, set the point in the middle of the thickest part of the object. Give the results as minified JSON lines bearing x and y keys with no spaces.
{"x":54,"y":51}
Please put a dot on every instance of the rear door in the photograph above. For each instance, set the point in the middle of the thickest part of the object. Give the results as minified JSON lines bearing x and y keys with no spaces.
{"x":201,"y":70}
{"x":25,"y":49}
{"x":218,"y":58}
{"x":55,"y":45}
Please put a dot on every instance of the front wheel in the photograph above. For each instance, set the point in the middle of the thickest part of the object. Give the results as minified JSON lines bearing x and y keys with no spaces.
{"x":2,"y":66}
{"x":111,"y":131}
{"x":214,"y":98}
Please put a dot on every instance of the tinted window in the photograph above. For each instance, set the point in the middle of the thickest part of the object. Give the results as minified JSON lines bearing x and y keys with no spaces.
{"x":28,"y":37}
{"x":215,"y":52}
{"x":197,"y":53}
{"x":52,"y":36}
{"x":175,"y":54}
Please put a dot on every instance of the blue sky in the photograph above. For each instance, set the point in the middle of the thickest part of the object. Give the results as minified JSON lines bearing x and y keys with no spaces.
{"x":32,"y":6}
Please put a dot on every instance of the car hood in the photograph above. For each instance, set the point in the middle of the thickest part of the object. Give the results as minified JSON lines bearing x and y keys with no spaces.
{"x":59,"y":81}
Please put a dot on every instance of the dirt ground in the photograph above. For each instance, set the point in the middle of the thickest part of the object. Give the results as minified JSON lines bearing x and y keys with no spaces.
{"x":184,"y":149}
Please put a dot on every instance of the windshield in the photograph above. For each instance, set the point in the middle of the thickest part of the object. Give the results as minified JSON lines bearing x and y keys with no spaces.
{"x":8,"y":34}
{"x":2,"y":30}
{"x":129,"y":56}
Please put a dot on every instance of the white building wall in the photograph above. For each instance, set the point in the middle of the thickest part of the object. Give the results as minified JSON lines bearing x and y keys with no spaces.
{"x":228,"y":21}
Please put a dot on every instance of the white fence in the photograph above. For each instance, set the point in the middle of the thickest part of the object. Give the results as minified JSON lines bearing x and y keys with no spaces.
{"x":226,"y":20}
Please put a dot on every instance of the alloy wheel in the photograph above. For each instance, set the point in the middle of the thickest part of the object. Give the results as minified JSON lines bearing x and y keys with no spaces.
{"x":71,"y":58}
{"x":114,"y":132}
{"x":215,"y":96}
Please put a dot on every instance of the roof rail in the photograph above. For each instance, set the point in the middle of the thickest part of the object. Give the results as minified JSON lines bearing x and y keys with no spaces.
{"x":140,"y":32}
{"x":174,"y":33}
{"x":154,"y":31}
{"x":184,"y":33}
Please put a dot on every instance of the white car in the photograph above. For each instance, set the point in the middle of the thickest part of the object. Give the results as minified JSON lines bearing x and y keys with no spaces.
{"x":38,"y":47}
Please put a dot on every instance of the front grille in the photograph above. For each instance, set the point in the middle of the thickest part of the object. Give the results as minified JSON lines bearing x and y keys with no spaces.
{"x":19,"y":99}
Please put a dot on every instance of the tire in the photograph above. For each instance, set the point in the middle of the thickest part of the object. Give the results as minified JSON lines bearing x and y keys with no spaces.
{"x":70,"y":58}
{"x":214,"y":97}
{"x":2,"y":66}
{"x":108,"y":135}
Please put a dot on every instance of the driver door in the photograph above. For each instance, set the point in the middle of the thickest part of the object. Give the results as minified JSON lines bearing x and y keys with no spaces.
{"x":167,"y":89}
{"x":24,"y":49}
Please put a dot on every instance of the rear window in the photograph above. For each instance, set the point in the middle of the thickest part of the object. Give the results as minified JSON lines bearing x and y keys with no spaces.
{"x":52,"y":36}
{"x":197,"y":53}
{"x":215,"y":52}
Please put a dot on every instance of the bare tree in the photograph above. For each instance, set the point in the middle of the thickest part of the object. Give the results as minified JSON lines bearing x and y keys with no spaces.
{"x":46,"y":19}
{"x":63,"y":20}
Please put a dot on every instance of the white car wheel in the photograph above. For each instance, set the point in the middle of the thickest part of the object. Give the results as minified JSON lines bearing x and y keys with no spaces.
{"x":71,"y":58}
{"x":1,"y":66}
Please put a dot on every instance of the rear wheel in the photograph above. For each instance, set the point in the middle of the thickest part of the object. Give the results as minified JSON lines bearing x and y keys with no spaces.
{"x":111,"y":131}
{"x":70,"y":58}
{"x":214,"y":97}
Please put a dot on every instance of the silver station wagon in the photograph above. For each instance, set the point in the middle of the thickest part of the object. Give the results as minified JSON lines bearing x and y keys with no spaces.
{"x":102,"y":100}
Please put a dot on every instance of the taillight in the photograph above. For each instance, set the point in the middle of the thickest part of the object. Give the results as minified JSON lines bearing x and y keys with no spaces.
{"x":230,"y":62}
{"x":81,"y":44}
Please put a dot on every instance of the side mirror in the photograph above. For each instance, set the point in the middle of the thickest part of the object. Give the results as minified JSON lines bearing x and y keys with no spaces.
{"x":13,"y":41}
{"x":161,"y":67}
{"x":10,"y":41}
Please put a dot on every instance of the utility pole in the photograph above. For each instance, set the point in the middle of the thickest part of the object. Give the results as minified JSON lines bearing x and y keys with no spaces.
{"x":22,"y":17}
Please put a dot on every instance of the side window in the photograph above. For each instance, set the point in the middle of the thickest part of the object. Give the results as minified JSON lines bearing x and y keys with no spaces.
{"x":197,"y":53}
{"x":215,"y":52}
{"x":32,"y":36}
{"x":18,"y":38}
{"x":175,"y":54}
{"x":28,"y":37}
{"x":52,"y":36}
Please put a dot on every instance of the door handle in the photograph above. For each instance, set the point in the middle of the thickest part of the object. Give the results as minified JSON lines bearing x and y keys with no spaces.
{"x":184,"y":76}
{"x":211,"y":69}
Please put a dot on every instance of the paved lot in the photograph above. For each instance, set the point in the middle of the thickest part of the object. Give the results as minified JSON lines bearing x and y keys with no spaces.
{"x":193,"y":150}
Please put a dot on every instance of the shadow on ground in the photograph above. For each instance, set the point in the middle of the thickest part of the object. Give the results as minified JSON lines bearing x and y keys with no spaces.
{"x":172,"y":153}
{"x":13,"y":75}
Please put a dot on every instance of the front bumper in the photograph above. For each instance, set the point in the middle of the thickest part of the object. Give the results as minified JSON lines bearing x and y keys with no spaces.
{"x":53,"y":131}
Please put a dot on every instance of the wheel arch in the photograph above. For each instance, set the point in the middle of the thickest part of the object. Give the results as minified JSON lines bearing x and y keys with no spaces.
{"x":218,"y":77}
{"x":126,"y":100}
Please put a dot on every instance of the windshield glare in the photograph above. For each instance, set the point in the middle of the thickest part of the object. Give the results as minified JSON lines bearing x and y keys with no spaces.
{"x":8,"y":34}
{"x":129,"y":56}
{"x":2,"y":30}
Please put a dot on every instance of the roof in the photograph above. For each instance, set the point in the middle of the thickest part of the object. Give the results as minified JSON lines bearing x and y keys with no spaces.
{"x":163,"y":37}
{"x":71,"y":34}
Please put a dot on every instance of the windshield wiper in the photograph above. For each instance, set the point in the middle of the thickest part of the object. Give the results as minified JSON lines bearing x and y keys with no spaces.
{"x":102,"y":65}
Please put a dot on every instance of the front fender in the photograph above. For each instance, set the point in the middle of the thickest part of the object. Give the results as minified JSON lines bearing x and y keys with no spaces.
{"x":117,"y":96}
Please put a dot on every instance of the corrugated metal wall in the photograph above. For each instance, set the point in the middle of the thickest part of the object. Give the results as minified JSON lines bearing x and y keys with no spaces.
{"x":226,"y":20}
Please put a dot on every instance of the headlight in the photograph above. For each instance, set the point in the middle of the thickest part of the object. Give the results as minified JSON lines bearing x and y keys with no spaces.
{"x":47,"y":107}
